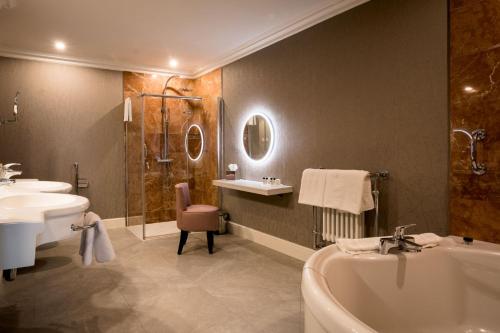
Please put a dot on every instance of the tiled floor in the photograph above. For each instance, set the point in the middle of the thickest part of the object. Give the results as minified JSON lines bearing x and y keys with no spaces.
{"x":155,"y":229}
{"x":242,"y":287}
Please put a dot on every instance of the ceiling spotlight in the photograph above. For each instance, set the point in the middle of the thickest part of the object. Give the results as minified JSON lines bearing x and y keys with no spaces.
{"x":61,"y":46}
{"x":154,"y":76}
{"x":173,"y":62}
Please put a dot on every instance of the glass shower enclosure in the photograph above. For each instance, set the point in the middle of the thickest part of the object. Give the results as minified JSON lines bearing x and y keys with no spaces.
{"x":156,"y":159}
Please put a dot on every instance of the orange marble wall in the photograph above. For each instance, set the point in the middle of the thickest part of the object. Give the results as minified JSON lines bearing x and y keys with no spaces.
{"x":475,"y":62}
{"x":160,"y":178}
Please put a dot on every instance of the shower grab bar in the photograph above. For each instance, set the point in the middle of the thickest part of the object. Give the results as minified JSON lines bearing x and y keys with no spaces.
{"x":474,"y":137}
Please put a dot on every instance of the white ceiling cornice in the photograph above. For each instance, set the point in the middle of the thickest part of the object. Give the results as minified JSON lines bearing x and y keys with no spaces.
{"x":314,"y":17}
{"x":289,"y":28}
{"x":88,"y":63}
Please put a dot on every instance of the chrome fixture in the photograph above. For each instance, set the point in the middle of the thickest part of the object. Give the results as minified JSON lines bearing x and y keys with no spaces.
{"x":165,"y":115}
{"x":6,"y":171}
{"x":79,"y":182}
{"x":474,"y":137}
{"x":399,"y":241}
{"x":75,"y":227}
{"x":7,"y":181}
{"x":375,"y":177}
{"x":15,"y":112}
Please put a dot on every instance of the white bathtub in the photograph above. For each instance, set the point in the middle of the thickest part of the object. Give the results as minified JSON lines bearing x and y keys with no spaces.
{"x":450,"y":288}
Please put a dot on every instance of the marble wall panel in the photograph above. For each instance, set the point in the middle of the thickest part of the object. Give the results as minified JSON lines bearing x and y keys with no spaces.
{"x":474,"y":203}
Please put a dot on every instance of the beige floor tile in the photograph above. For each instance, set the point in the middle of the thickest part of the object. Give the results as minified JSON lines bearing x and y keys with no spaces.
{"x":242,"y":287}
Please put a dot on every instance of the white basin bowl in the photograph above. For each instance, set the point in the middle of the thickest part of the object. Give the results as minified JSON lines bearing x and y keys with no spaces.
{"x":40,"y":186}
{"x":31,"y":219}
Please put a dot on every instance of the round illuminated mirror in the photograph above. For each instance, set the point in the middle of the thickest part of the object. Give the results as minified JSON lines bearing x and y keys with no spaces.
{"x":194,"y":142}
{"x":258,"y":137}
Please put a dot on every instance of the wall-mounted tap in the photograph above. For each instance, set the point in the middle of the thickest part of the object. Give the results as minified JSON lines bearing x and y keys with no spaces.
{"x":6,"y":171}
{"x":399,"y":241}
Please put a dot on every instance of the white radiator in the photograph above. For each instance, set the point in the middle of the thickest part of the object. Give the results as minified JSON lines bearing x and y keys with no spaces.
{"x":338,"y":224}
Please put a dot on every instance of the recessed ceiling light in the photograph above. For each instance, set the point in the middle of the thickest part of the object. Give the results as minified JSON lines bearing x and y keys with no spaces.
{"x":61,"y":46}
{"x":154,"y":76}
{"x":173,"y":62}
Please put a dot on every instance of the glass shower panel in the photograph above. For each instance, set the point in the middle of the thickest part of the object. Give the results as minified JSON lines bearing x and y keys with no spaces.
{"x":163,"y":169}
{"x":134,"y":165}
{"x":156,"y":158}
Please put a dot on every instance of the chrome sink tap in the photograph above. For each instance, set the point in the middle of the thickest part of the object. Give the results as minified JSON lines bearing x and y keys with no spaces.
{"x":6,"y":171}
{"x":399,"y":241}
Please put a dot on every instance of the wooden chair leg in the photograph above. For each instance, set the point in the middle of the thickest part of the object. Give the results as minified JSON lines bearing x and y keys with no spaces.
{"x":182,"y":241}
{"x":210,"y":241}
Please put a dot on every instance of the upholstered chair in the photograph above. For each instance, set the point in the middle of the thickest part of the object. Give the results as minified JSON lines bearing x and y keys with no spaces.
{"x":194,"y":217}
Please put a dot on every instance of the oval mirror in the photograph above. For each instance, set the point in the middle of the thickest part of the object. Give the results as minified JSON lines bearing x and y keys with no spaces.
{"x":194,"y":142}
{"x":258,"y":137}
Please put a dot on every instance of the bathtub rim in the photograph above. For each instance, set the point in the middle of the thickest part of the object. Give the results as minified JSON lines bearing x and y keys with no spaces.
{"x":325,"y":307}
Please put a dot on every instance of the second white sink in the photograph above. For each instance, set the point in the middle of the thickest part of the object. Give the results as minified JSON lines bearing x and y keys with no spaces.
{"x":40,"y":186}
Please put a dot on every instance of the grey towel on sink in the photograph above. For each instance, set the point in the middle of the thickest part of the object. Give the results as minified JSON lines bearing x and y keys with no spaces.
{"x":103,"y":249}
{"x":95,"y":241}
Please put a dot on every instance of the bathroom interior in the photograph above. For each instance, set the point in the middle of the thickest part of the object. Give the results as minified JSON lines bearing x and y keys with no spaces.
{"x":250,"y":166}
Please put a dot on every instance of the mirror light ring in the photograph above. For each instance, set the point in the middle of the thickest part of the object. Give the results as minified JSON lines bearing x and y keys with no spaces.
{"x":271,"y":129}
{"x":197,"y":158}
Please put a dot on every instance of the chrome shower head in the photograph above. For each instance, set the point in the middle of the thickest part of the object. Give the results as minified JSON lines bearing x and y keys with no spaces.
{"x":166,"y":83}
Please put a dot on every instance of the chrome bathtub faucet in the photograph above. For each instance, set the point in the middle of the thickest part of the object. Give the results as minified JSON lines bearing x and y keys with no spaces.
{"x":399,"y":241}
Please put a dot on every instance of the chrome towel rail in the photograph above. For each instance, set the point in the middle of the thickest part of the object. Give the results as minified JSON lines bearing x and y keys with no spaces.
{"x":317,"y":211}
{"x":75,"y":227}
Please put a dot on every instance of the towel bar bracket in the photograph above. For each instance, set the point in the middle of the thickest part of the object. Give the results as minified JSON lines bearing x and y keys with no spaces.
{"x":75,"y":227}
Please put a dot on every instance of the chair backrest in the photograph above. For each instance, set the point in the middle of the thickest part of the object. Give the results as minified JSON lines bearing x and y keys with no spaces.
{"x":182,"y":198}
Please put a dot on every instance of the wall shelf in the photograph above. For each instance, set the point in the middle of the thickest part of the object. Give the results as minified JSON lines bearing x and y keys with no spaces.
{"x":253,"y":186}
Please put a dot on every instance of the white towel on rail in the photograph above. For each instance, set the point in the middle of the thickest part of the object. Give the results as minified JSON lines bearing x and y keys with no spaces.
{"x":103,"y":249}
{"x":95,"y":241}
{"x":312,"y":187}
{"x":348,"y":190}
{"x":372,"y":244}
{"x":127,"y":110}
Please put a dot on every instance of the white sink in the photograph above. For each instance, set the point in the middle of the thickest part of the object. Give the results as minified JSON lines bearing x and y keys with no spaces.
{"x":54,"y":204}
{"x":40,"y":186}
{"x":31,"y":219}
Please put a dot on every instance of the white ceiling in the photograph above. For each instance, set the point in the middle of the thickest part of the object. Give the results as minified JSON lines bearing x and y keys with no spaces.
{"x":142,"y":35}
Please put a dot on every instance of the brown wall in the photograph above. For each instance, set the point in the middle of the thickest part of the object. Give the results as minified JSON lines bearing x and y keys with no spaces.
{"x":475,"y":62}
{"x":160,"y":178}
{"x":67,"y":114}
{"x":365,"y":90}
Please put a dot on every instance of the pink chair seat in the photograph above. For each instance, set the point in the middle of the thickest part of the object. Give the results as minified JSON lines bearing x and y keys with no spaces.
{"x":194,"y":217}
{"x":201,"y":209}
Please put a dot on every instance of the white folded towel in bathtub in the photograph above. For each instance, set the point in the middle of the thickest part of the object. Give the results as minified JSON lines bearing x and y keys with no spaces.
{"x":95,"y":241}
{"x":372,"y":244}
{"x":312,"y":187}
{"x":348,"y":190}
